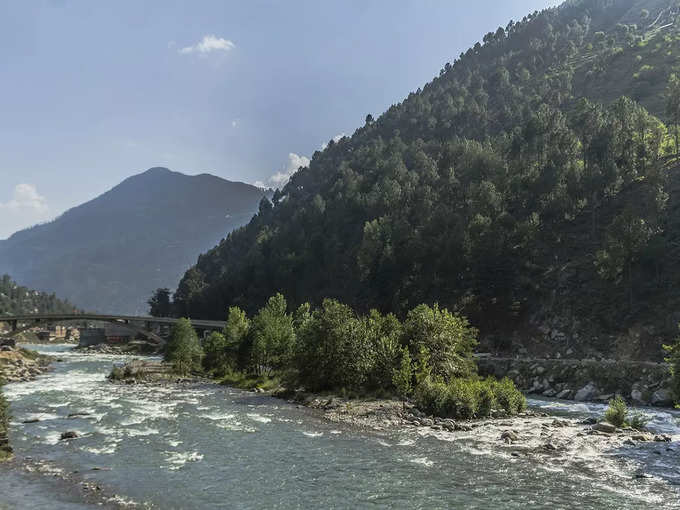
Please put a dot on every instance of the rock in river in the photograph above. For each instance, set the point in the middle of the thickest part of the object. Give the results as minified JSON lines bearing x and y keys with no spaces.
{"x":509,"y":436}
{"x":662,"y":397}
{"x":603,"y":426}
{"x":588,"y":392}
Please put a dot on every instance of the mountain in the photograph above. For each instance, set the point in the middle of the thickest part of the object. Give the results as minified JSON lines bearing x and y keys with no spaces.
{"x":17,"y":300}
{"x":519,"y":187}
{"x":109,"y":254}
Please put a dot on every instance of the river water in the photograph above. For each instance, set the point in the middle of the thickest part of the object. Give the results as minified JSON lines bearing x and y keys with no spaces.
{"x":204,"y":446}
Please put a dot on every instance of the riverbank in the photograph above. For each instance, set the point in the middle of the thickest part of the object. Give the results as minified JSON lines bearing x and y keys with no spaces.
{"x":133,"y":348}
{"x":538,"y":435}
{"x":18,"y":364}
{"x":5,"y":448}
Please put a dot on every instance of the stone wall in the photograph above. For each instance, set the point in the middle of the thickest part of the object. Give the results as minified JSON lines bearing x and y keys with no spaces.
{"x":641,"y":383}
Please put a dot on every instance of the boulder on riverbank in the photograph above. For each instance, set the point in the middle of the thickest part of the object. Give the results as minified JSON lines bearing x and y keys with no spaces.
{"x":18,"y":365}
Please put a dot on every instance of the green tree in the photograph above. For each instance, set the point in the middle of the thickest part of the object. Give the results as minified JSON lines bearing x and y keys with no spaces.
{"x":384,"y":336}
{"x":188,"y":294}
{"x":236,"y":336}
{"x":183,"y":349}
{"x":215,"y":353}
{"x":160,"y":304}
{"x":449,"y":340}
{"x":626,"y":237}
{"x":673,"y":108}
{"x":333,"y":349}
{"x":673,"y":359}
{"x":402,"y":376}
{"x":273,"y":337}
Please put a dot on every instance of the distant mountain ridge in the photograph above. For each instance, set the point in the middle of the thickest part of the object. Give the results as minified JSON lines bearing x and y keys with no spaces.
{"x":110,"y":253}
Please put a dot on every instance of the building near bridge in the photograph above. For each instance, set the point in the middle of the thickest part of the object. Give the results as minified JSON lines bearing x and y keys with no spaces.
{"x":108,"y":334}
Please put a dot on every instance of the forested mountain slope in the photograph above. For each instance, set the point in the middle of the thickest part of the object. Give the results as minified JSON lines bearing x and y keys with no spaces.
{"x":519,"y":187}
{"x":109,"y":254}
{"x":16,"y":300}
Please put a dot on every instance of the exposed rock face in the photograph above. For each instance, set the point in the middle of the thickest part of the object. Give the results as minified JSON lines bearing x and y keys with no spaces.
{"x":586,"y":379}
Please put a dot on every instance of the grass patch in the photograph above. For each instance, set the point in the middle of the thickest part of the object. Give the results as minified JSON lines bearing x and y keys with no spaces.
{"x":250,"y":382}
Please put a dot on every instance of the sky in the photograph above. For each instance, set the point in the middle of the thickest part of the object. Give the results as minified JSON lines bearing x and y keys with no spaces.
{"x":94,"y":92}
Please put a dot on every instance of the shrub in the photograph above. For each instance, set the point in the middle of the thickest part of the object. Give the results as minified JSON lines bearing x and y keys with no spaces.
{"x":509,"y":398}
{"x":449,"y":339}
{"x":486,"y":398}
{"x":183,"y":349}
{"x":468,"y":398}
{"x":616,"y":412}
{"x":463,"y":398}
{"x":432,"y":398}
{"x":402,"y":376}
{"x":638,"y":421}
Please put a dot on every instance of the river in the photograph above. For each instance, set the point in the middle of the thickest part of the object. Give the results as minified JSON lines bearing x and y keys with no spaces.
{"x":207,"y":446}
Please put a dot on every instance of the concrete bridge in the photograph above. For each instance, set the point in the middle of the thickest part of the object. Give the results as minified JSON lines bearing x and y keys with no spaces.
{"x":149,"y":327}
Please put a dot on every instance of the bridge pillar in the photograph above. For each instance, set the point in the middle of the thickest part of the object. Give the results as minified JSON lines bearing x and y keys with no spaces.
{"x":13,"y":325}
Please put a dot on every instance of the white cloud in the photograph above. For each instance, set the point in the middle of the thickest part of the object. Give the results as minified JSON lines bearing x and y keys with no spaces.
{"x":280,"y":178}
{"x":208,"y":44}
{"x":336,"y":139}
{"x":26,"y":196}
{"x":26,"y":207}
{"x":234,"y":123}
